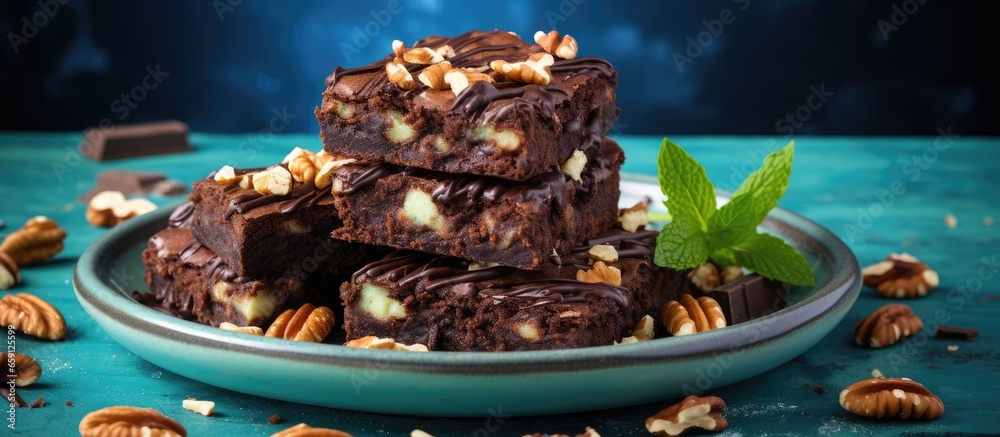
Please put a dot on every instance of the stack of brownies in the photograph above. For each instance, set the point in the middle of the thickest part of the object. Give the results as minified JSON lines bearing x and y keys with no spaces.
{"x":466,"y":199}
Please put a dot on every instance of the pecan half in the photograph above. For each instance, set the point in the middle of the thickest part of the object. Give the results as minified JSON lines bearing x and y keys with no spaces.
{"x":26,"y":370}
{"x":10,"y":275}
{"x":308,"y":323}
{"x":887,"y":325}
{"x":900,"y":275}
{"x":891,"y":397}
{"x":36,"y":242}
{"x":692,"y":412}
{"x":690,"y":316}
{"x":124,"y":421}
{"x":303,"y":430}
{"x":33,"y":316}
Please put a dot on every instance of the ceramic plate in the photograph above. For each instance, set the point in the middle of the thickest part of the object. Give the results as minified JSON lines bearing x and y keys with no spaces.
{"x":468,"y":383}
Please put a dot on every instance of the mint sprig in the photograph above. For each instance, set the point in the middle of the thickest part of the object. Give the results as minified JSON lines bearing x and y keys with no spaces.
{"x":728,"y":235}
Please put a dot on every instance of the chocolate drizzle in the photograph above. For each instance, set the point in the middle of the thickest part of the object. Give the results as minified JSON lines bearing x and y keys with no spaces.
{"x":302,"y":195}
{"x":181,"y":217}
{"x":438,"y":271}
{"x":560,"y":291}
{"x":587,"y":65}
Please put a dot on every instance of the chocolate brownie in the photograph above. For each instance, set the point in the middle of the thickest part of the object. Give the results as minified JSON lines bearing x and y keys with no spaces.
{"x":451,"y":304}
{"x":507,"y":129}
{"x":189,"y":279}
{"x":478,"y":218}
{"x":257,"y":234}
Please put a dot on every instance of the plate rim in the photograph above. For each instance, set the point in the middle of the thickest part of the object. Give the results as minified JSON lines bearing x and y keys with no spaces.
{"x":844,"y":282}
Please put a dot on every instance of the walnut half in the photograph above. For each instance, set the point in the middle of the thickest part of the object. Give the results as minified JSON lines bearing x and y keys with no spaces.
{"x":692,"y":412}
{"x":900,"y":275}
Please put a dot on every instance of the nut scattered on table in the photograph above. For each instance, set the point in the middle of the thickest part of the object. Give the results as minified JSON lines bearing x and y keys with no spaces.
{"x":589,"y":432}
{"x":111,"y":208}
{"x":129,"y":421}
{"x":634,"y":217}
{"x":900,"y":275}
{"x":308,"y":323}
{"x":274,"y":419}
{"x":950,"y":221}
{"x":205,"y":408}
{"x":10,"y":275}
{"x":33,"y":316}
{"x":563,"y":46}
{"x":252,"y":330}
{"x":372,"y":342}
{"x":303,"y":430}
{"x":693,"y":412}
{"x":419,"y":433}
{"x":26,"y":370}
{"x":705,"y":277}
{"x":891,"y":397}
{"x":600,"y":272}
{"x":37,"y":241}
{"x":887,"y":325}
{"x":692,"y":315}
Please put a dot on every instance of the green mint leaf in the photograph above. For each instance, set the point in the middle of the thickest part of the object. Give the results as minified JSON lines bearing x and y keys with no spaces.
{"x":689,"y":192}
{"x":681,"y":245}
{"x":734,"y":223}
{"x":766,"y":185}
{"x":773,"y":258}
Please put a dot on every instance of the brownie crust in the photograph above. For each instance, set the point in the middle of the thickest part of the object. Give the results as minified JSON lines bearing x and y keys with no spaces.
{"x":506,"y":129}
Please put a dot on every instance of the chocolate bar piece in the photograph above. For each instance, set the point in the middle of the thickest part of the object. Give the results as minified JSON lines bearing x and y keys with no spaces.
{"x":506,"y":129}
{"x":137,"y":183}
{"x":449,"y":303}
{"x":478,"y":218}
{"x":749,"y":297}
{"x":946,"y":332}
{"x":141,"y":139}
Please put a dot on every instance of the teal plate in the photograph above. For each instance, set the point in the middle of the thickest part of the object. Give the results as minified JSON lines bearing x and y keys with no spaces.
{"x":469,"y":383}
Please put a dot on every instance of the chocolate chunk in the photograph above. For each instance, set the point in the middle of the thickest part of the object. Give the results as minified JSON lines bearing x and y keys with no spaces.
{"x":955,"y":333}
{"x":820,"y":389}
{"x":127,"y":182}
{"x":749,"y":297}
{"x":170,"y":188}
{"x":127,"y":141}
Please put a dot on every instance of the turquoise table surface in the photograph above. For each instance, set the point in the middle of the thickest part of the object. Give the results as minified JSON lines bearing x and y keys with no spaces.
{"x":880,"y":195}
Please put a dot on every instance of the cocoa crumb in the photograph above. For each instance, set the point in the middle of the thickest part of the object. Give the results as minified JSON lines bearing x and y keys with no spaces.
{"x":820,"y":389}
{"x":69,"y":403}
{"x":274,"y":419}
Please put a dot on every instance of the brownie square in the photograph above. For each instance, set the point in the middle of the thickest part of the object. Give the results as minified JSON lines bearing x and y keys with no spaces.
{"x":506,"y":129}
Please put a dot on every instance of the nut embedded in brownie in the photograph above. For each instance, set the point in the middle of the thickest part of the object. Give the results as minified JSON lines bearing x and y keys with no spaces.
{"x":483,"y":103}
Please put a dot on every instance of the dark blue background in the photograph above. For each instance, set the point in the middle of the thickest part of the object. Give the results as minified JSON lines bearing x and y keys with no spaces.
{"x":231,"y":66}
